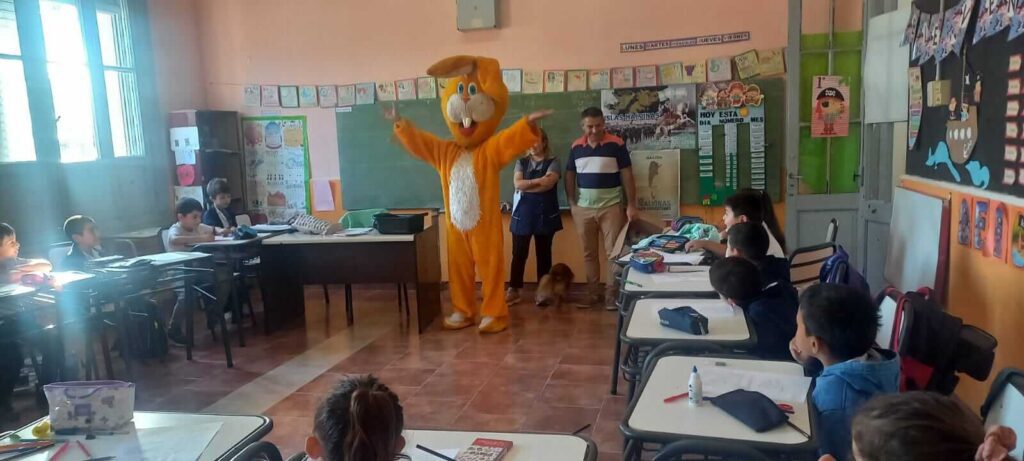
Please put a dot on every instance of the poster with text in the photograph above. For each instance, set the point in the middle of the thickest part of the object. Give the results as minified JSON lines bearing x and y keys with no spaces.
{"x":830,"y":110}
{"x":656,"y":173}
{"x":1017,"y":246}
{"x":277,"y":167}
{"x":652,"y":118}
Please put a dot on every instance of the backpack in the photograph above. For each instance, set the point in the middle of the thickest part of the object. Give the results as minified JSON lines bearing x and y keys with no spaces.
{"x":147,"y":336}
{"x":837,"y":269}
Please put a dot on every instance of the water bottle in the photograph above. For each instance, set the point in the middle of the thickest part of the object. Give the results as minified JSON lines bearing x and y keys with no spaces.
{"x":696,"y":388}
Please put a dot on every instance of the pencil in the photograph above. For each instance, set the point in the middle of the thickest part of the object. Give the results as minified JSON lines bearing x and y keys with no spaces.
{"x":439,"y":455}
{"x":60,"y":451}
{"x":581,"y":429}
{"x":81,"y":446}
{"x":797,"y":428}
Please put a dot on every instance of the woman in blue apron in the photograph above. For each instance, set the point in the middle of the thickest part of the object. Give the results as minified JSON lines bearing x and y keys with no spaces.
{"x":535,"y":213}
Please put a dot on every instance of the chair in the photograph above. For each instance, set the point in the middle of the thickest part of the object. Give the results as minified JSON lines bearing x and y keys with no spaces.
{"x":831,"y":231}
{"x":676,"y":451}
{"x":805,"y":264}
{"x":243,"y":220}
{"x":57,"y":253}
{"x":1004,"y":405}
{"x":888,"y":307}
{"x":259,"y":451}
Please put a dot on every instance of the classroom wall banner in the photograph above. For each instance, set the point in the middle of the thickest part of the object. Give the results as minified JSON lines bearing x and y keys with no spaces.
{"x":652,"y":118}
{"x":729,"y":104}
{"x":703,"y":40}
{"x":277,"y":167}
{"x":657,"y":181}
{"x":830,"y":107}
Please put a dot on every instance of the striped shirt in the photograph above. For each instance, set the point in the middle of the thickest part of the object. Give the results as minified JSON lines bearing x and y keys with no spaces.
{"x":598,"y":181}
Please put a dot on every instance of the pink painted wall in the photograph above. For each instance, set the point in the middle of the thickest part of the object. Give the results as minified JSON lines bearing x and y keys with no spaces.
{"x":174,"y":32}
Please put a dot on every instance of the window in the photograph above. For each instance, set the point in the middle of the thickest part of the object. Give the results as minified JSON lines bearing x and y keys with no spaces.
{"x":16,"y":141}
{"x":70,"y":83}
{"x":119,"y":78}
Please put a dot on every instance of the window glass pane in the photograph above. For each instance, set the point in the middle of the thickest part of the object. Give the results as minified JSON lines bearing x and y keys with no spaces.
{"x":16,"y":143}
{"x":62,"y":32}
{"x":9,"y":42}
{"x":115,"y":39}
{"x":125,"y":118}
{"x":72,"y":102}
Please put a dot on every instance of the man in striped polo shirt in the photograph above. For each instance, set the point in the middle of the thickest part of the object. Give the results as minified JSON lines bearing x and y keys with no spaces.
{"x":597,"y":176}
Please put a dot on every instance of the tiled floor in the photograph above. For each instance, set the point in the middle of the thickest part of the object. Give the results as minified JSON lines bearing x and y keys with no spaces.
{"x":548,"y":373}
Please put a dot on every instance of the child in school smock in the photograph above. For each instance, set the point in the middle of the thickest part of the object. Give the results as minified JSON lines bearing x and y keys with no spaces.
{"x":535,"y":214}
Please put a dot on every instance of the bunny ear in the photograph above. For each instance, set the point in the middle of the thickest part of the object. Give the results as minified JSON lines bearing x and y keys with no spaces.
{"x":453,"y":67}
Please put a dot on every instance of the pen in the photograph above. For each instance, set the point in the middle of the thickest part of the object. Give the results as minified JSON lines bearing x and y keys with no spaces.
{"x":630,"y":282}
{"x":581,"y":429}
{"x":797,"y":428}
{"x":81,"y":446}
{"x":60,"y":451}
{"x":673,"y":398}
{"x":439,"y":455}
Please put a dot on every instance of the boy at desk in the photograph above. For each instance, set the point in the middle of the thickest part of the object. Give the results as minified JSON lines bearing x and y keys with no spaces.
{"x":11,"y":266}
{"x":189,"y":231}
{"x":85,"y":243}
{"x":219,"y":213}
{"x":836,"y":324}
{"x":771,"y":309}
{"x":751,"y":241}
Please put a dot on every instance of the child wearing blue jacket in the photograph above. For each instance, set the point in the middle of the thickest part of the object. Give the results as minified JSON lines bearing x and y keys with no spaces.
{"x":770,"y":307}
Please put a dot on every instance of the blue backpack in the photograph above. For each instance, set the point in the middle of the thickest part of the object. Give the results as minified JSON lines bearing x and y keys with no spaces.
{"x":837,"y":269}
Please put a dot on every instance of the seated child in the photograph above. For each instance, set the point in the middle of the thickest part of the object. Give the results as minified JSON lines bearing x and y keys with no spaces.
{"x":188,"y":231}
{"x":836,"y":324}
{"x":771,"y":309}
{"x":924,"y":425}
{"x":219,"y":214}
{"x":11,"y":266}
{"x":751,"y":241}
{"x":360,"y":420}
{"x":85,"y":244}
{"x":747,"y":205}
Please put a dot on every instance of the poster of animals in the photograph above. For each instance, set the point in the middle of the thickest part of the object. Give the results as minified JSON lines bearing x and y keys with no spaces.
{"x":656,"y":173}
{"x":652,"y":118}
{"x":277,"y":167}
{"x":830,"y":109}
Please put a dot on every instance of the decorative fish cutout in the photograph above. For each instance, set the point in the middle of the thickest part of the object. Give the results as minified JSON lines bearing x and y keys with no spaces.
{"x":941,"y":157}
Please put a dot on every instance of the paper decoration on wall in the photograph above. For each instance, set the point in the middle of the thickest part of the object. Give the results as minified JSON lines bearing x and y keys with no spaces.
{"x":671,"y":74}
{"x":289,"y":96}
{"x":323,"y":197}
{"x":932,"y":36}
{"x":386,"y":91}
{"x":346,"y":95}
{"x":940,"y":156}
{"x":365,"y":93}
{"x":937,"y":93}
{"x":728,"y":104}
{"x":916,"y":53}
{"x":554,"y":81}
{"x":652,"y":118}
{"x":656,"y":173}
{"x":277,"y":168}
{"x":719,"y":69}
{"x":746,"y":64}
{"x":513,"y":79}
{"x":426,"y":88}
{"x":1017,"y":21}
{"x":646,"y":76}
{"x":993,"y":16}
{"x":184,"y":143}
{"x":269,"y":96}
{"x":830,"y":109}
{"x":442,"y":84}
{"x":963,"y":228}
{"x":695,"y":73}
{"x":600,"y":79}
{"x":328,"y":95}
{"x":980,"y":174}
{"x":911,"y":31}
{"x":980,"y":222}
{"x":1017,"y":246}
{"x":186,"y":175}
{"x":622,"y":77}
{"x":916,"y":105}
{"x":1000,"y":232}
{"x":533,"y":81}
{"x":576,"y":80}
{"x":192,"y":192}
{"x":406,"y":89}
{"x":307,"y":96}
{"x":954,"y":28}
{"x":961,"y":134}
{"x":251,"y":95}
{"x":771,"y":62}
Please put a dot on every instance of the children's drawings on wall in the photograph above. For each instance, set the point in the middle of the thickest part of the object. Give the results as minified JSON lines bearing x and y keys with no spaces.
{"x":554,"y":81}
{"x":513,"y":79}
{"x":576,"y":80}
{"x":830,"y":108}
{"x":646,"y":76}
{"x":251,"y":95}
{"x":600,"y":79}
{"x":269,"y":96}
{"x":289,"y":96}
{"x":1000,"y":231}
{"x":277,"y":166}
{"x":622,"y":77}
{"x":366,"y":93}
{"x":963,"y":229}
{"x":426,"y":88}
{"x":533,"y":81}
{"x":671,"y":74}
{"x":1017,"y":246}
{"x":980,"y":223}
{"x":328,"y":95}
{"x":406,"y":89}
{"x":307,"y":96}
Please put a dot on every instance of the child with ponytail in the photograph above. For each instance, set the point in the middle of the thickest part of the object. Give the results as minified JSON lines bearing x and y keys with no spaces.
{"x":360,"y":420}
{"x":747,"y":205}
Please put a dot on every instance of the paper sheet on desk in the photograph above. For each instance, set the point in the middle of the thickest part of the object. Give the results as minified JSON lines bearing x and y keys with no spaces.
{"x":778,"y":387}
{"x":171,"y":443}
{"x":418,"y":455}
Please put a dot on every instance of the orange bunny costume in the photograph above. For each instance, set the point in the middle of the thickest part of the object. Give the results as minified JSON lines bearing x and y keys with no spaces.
{"x":473,"y":104}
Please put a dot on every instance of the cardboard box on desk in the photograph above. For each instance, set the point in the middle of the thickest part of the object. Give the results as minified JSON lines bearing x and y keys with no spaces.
{"x":644,"y":226}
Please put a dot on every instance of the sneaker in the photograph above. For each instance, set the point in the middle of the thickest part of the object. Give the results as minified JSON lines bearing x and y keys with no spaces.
{"x":176,"y":337}
{"x":512,"y":296}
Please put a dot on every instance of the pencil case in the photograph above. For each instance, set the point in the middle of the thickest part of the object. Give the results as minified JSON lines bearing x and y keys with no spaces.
{"x":647,"y":262}
{"x":685,"y":319}
{"x":90,"y":405}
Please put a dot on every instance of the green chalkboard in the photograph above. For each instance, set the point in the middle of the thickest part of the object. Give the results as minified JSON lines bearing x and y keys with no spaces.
{"x":377,"y":172}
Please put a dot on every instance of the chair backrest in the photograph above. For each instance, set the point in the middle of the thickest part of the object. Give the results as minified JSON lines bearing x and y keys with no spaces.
{"x":57,"y":253}
{"x":675,"y":451}
{"x":831,"y":231}
{"x":888,"y":305}
{"x":1004,"y":405}
{"x":805,"y":264}
{"x":121,"y":247}
{"x":164,"y":234}
{"x":259,"y":451}
{"x":360,"y":218}
{"x":243,"y":220}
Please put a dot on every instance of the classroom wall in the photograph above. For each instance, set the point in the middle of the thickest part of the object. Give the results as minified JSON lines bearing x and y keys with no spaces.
{"x":177,"y":61}
{"x":984,"y":292}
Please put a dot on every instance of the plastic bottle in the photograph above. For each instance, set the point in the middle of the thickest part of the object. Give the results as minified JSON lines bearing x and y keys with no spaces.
{"x":696,"y":388}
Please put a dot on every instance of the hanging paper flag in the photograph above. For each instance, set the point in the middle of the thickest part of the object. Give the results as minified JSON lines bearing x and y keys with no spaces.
{"x":954,"y":27}
{"x":916,"y":104}
{"x":911,"y":31}
{"x":1017,"y":21}
{"x":993,"y":16}
{"x":933,"y":33}
{"x":1000,"y":231}
{"x":922,"y":38}
{"x":830,"y":107}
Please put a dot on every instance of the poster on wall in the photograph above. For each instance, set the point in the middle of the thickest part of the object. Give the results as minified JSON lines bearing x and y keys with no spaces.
{"x":911,"y":31}
{"x":277,"y":167}
{"x":963,"y":228}
{"x":1000,"y":231}
{"x":652,"y":118}
{"x":1017,"y":246}
{"x":830,"y":110}
{"x":916,"y":104}
{"x":656,"y":173}
{"x":981,"y":225}
{"x":729,"y":104}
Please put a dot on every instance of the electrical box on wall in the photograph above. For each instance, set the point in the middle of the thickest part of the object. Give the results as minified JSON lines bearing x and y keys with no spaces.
{"x":476,"y":14}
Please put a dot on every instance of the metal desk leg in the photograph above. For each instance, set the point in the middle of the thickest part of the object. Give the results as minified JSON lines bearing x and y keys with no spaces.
{"x":618,"y":355}
{"x":190,"y":299}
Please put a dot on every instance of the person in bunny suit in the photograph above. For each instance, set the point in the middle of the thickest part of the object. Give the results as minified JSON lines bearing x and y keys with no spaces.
{"x":473,"y":104}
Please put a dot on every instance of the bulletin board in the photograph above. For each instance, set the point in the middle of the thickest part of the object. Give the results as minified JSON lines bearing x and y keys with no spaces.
{"x":277,"y":167}
{"x":992,"y":125}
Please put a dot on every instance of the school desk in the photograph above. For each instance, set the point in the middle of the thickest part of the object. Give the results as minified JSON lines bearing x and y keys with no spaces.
{"x":525,"y":446}
{"x":671,"y":259}
{"x":728,"y":328}
{"x":236,"y":432}
{"x":291,"y":261}
{"x":648,"y":419}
